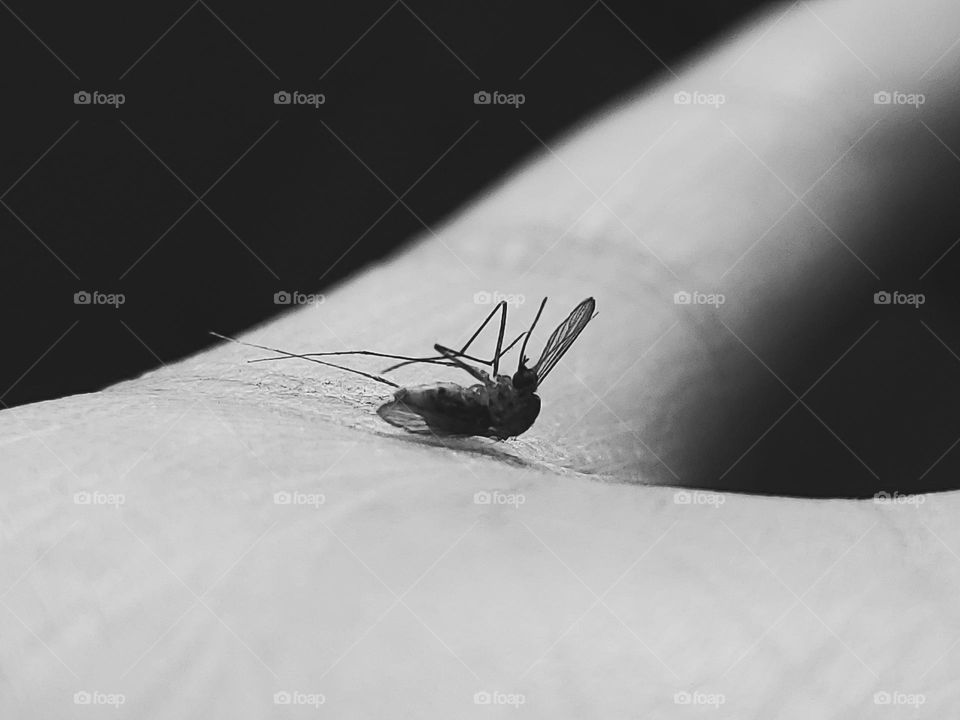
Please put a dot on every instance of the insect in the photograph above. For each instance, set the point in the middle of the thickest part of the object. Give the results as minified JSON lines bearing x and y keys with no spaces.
{"x":498,"y":406}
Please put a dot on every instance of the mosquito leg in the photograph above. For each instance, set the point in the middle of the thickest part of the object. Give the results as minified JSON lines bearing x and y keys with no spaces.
{"x":509,"y":347}
{"x":319,"y":362}
{"x":406,"y":360}
{"x":502,"y":307}
{"x":440,"y":360}
{"x":503,"y":327}
{"x":495,"y":362}
{"x":370,"y":353}
{"x":455,"y":359}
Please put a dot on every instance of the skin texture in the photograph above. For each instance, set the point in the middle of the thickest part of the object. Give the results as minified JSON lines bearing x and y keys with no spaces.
{"x":588,"y":585}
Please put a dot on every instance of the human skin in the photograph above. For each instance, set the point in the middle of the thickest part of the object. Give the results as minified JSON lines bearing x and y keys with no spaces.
{"x":599,"y":592}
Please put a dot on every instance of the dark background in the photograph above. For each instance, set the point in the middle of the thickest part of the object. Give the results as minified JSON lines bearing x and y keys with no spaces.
{"x":88,"y":204}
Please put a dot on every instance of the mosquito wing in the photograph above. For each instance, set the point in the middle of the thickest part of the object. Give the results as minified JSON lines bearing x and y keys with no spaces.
{"x":401,"y":416}
{"x":442,"y":409}
{"x":563,"y":337}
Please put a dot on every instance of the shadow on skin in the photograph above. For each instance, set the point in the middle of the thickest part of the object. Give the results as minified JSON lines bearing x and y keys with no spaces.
{"x":472,"y":445}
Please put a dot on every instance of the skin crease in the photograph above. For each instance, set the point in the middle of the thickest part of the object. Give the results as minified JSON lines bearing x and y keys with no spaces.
{"x":581,"y":585}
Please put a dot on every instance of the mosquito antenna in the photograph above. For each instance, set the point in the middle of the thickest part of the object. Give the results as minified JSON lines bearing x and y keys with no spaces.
{"x":523,"y":348}
{"x":319,"y":362}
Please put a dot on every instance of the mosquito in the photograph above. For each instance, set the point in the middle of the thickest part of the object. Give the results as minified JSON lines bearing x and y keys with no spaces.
{"x":498,"y":406}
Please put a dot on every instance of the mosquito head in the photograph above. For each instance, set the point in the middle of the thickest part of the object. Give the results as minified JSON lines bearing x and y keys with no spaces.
{"x":525,"y":379}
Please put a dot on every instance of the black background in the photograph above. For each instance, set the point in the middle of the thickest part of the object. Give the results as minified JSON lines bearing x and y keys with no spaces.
{"x":88,"y":203}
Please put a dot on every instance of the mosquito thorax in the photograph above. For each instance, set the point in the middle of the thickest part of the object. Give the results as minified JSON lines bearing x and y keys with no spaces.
{"x":525,"y":380}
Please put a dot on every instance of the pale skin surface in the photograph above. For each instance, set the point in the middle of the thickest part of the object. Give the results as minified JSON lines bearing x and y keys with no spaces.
{"x":402,"y":597}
